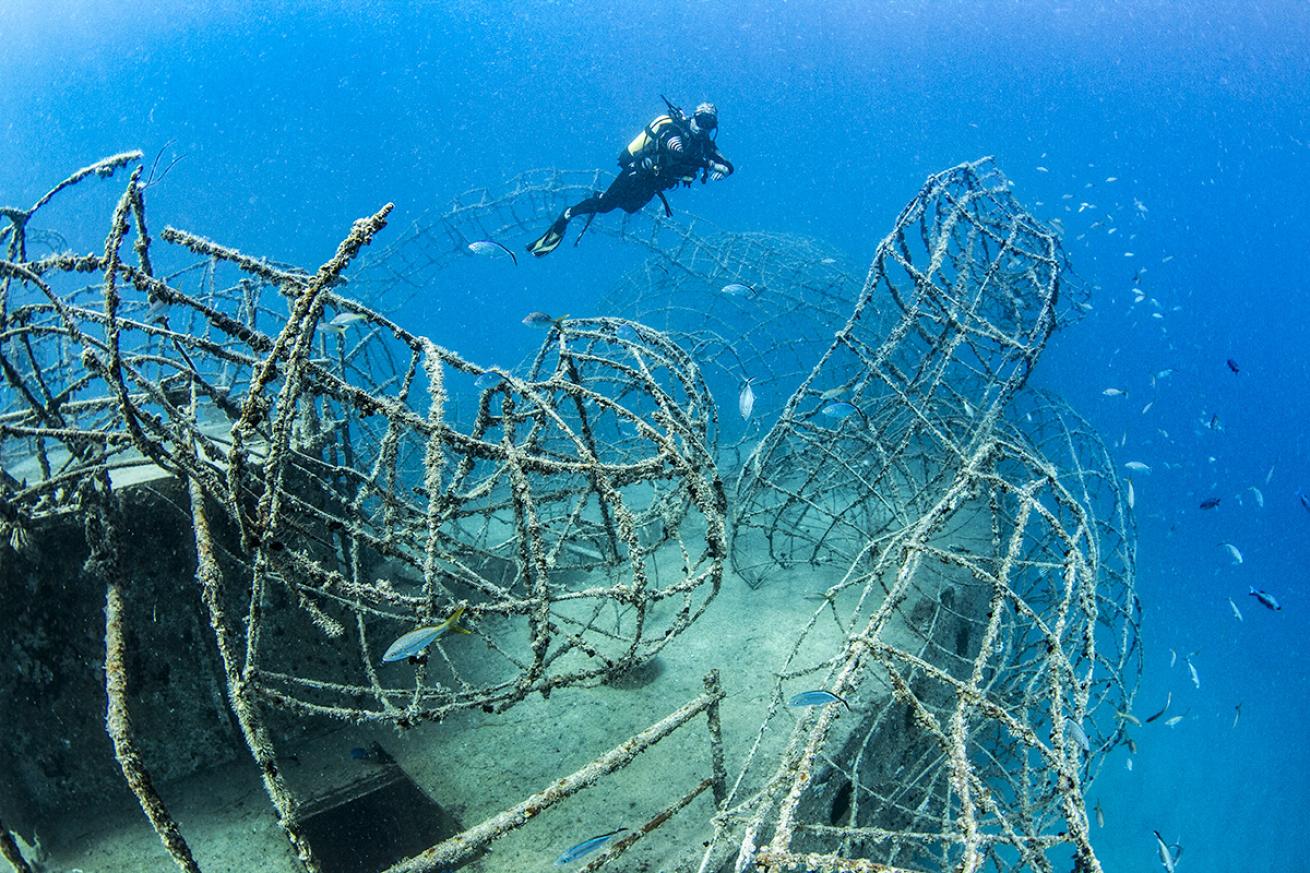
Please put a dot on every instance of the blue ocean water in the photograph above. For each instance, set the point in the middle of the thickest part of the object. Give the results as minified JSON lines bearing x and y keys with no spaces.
{"x":297,"y":118}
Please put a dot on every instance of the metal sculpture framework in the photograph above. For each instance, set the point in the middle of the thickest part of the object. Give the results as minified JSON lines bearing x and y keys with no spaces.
{"x":964,"y":537}
{"x":577,"y":520}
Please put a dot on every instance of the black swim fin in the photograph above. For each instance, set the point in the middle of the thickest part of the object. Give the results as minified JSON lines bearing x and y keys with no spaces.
{"x":550,"y":240}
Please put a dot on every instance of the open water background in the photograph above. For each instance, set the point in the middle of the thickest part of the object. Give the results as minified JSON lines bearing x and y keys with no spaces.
{"x":297,"y":118}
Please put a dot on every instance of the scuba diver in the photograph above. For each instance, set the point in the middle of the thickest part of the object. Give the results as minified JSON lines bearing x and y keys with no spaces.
{"x":673,"y":148}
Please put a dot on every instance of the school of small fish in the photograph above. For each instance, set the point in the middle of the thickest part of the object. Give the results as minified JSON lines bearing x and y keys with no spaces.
{"x":1147,"y":308}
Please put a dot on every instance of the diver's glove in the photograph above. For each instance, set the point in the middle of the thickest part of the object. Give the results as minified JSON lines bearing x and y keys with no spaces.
{"x":718,"y":171}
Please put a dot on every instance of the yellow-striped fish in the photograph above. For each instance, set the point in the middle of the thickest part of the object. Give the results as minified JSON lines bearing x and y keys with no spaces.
{"x":419,"y":639}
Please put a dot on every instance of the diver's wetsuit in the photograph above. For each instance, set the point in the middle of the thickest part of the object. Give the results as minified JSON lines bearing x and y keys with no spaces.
{"x":666,"y":153}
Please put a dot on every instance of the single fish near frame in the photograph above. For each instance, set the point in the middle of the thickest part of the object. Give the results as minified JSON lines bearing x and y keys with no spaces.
{"x":1210,"y":502}
{"x":1138,"y":467}
{"x":838,"y":409}
{"x":345,"y":319}
{"x":1100,"y":814}
{"x":1169,"y":855}
{"x":1233,"y":552}
{"x":1191,"y":668}
{"x":1132,"y":496}
{"x":1168,"y":700}
{"x":1267,"y":600}
{"x":737,"y":289}
{"x":1115,"y":392}
{"x":1237,"y":613}
{"x":1130,"y":718}
{"x":746,"y":400}
{"x":1075,"y":730}
{"x":1173,"y":722}
{"x":541,"y":319}
{"x":586,"y":847}
{"x":490,"y":247}
{"x":816,"y":698}
{"x":413,"y":643}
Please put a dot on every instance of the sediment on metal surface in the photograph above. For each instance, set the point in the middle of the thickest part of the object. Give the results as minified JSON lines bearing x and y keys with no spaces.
{"x":574,"y":522}
{"x":963,"y":539}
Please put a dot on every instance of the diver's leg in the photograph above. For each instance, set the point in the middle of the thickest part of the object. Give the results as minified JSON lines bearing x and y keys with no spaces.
{"x":550,"y":240}
{"x":616,"y":196}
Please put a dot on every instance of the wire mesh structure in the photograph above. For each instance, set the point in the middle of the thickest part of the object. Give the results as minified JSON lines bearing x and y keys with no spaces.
{"x":986,"y":652}
{"x":749,"y":307}
{"x":759,"y":313}
{"x":963,"y":538}
{"x":960,"y":300}
{"x":571,"y":528}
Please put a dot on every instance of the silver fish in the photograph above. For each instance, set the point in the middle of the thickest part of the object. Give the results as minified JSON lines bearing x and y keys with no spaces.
{"x":490,"y":247}
{"x":1173,"y":658}
{"x":411,"y":644}
{"x":1259,"y":497}
{"x":1100,"y":814}
{"x":746,"y":400}
{"x":1232,"y":550}
{"x":1169,"y":855}
{"x":1196,"y":680}
{"x":345,"y":319}
{"x":1237,"y":613}
{"x":1169,"y":698}
{"x":1237,"y":714}
{"x":838,"y":409}
{"x":586,"y":847}
{"x":1138,"y":467}
{"x":737,"y":289}
{"x":1075,"y":730}
{"x":816,"y":698}
{"x":1132,"y":496}
{"x":1172,"y":722}
{"x":1267,"y":600}
{"x":1115,"y":392}
{"x":539,"y":319}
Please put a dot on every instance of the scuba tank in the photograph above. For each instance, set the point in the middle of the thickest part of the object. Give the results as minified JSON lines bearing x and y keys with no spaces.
{"x":642,"y":150}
